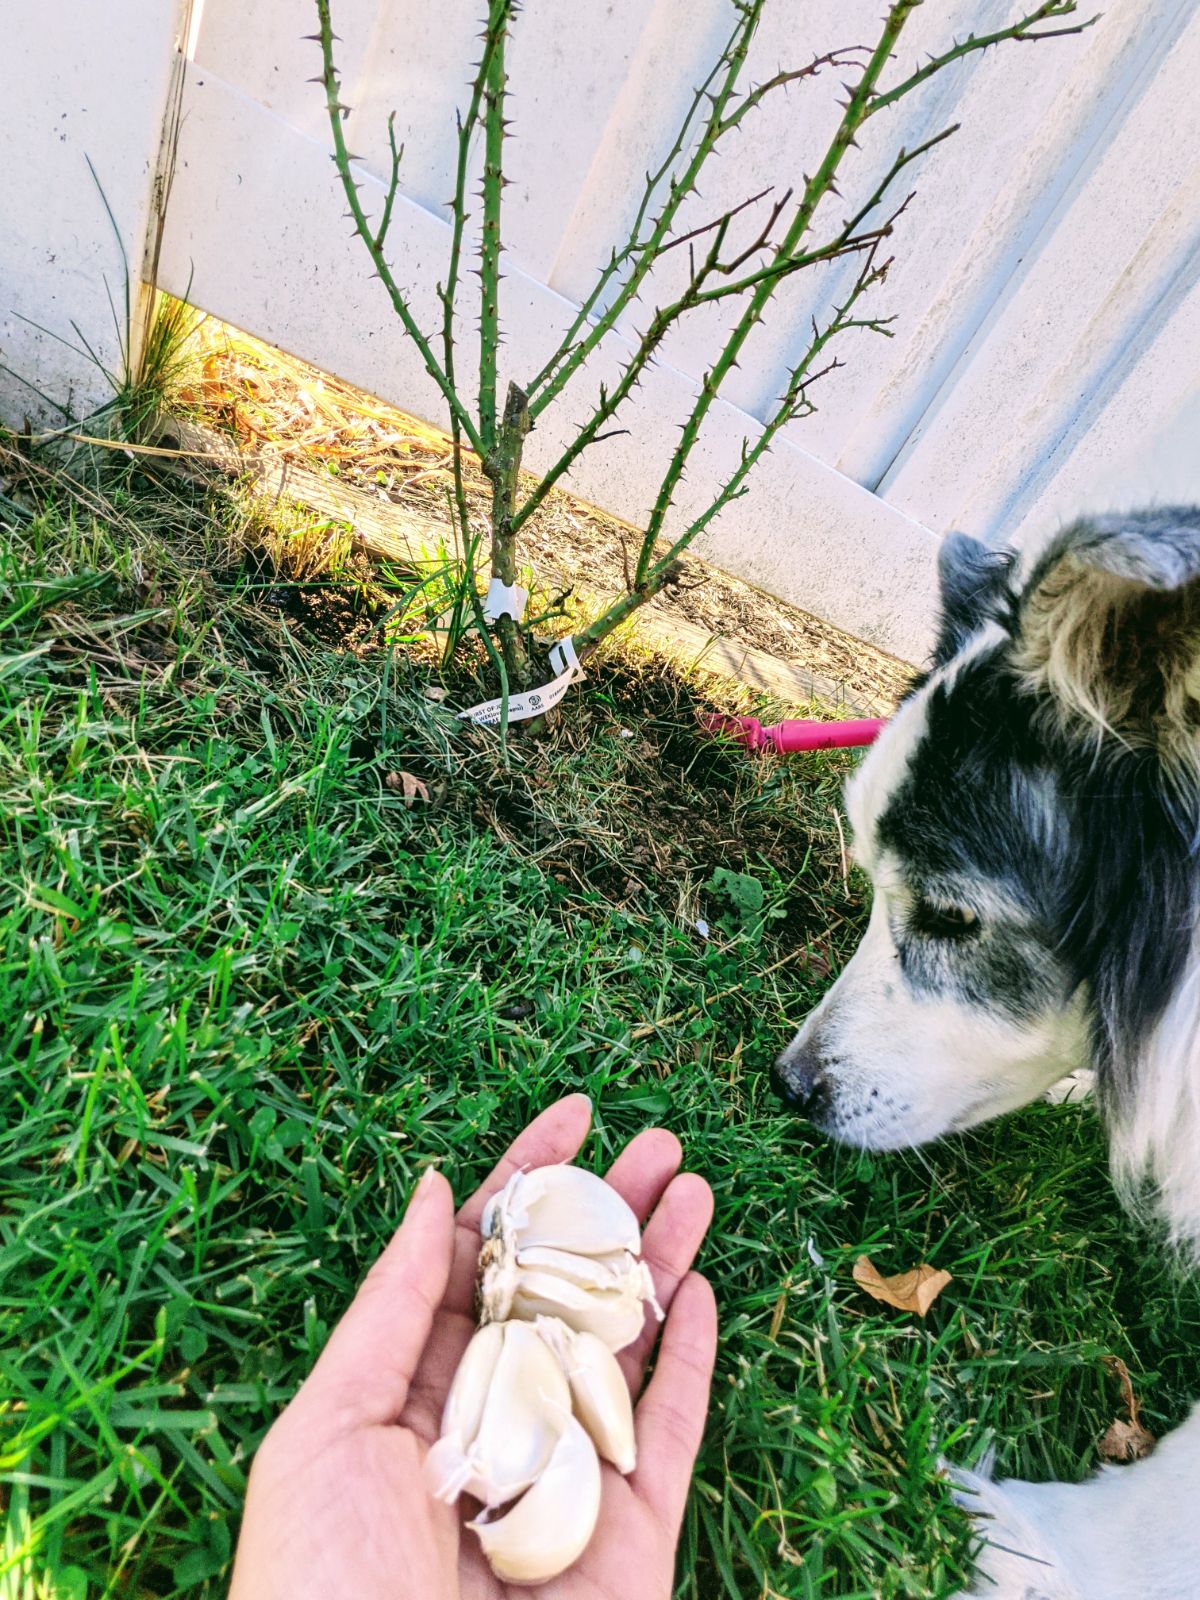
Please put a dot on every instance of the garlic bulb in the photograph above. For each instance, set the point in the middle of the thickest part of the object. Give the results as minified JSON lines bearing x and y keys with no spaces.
{"x":539,"y":1391}
{"x":598,"y":1390}
{"x":560,"y":1242}
{"x":551,"y":1523}
{"x":506,"y":1411}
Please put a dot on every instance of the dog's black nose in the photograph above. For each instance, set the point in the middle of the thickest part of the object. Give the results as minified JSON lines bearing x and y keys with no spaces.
{"x":800,"y":1082}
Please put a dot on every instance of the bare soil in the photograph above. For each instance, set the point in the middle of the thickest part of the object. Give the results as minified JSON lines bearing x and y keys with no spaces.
{"x":287,"y":411}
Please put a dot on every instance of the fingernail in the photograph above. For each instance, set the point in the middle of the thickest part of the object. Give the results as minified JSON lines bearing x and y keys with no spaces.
{"x":425,"y":1180}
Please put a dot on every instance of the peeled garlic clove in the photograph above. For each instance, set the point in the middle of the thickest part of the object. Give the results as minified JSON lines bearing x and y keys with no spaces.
{"x":526,"y":1406}
{"x":563,"y":1207}
{"x":598,"y":1391}
{"x":550,"y":1525}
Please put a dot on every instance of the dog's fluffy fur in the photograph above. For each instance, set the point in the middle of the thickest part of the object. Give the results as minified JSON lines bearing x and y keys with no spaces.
{"x":1030,"y":819}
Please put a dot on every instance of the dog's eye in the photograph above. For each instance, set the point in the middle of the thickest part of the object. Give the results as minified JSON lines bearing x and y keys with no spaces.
{"x":944,"y":922}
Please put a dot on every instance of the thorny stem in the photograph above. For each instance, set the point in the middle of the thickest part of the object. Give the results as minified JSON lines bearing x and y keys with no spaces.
{"x":495,"y":85}
{"x":502,"y":465}
{"x":793,"y":404}
{"x":397,"y":153}
{"x":448,"y":291}
{"x":642,"y":253}
{"x":504,"y":442}
{"x":497,"y":658}
{"x":1024,"y":32}
{"x":854,"y":114}
{"x":833,"y":58}
{"x":362,"y":227}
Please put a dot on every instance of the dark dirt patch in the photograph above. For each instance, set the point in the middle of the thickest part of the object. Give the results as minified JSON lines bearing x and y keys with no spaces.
{"x":341,"y":613}
{"x":631,"y":801}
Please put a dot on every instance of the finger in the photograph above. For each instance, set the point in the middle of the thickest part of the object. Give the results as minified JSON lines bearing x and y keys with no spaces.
{"x":644,"y":1169}
{"x":554,"y":1136}
{"x":363,"y":1374}
{"x":673,"y":1236}
{"x":671,"y":1415}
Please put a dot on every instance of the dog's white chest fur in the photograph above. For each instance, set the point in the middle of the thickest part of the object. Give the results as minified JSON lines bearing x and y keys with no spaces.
{"x":1129,"y":1533}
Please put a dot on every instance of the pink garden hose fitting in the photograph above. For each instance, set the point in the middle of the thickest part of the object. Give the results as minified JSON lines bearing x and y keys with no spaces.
{"x":789,"y":737}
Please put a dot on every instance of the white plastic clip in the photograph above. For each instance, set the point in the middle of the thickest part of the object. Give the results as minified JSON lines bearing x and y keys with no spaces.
{"x":504,"y":600}
{"x":563,"y":659}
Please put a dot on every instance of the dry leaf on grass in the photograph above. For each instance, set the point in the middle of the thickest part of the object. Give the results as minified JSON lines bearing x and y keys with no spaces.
{"x":907,"y":1291}
{"x":412,"y":788}
{"x":1125,"y":1439}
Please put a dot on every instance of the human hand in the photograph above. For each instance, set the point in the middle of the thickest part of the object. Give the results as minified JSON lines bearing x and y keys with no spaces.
{"x":337,"y":1507}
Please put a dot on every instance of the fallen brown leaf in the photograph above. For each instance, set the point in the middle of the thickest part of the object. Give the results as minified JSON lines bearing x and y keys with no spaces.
{"x":1125,"y":1439}
{"x":412,"y":788}
{"x":907,"y":1291}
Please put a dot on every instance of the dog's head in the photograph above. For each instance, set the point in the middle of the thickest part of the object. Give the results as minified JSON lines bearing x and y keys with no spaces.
{"x":1029,"y":821}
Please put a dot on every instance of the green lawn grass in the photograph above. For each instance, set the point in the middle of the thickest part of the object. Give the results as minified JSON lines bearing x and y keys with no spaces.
{"x":249,"y":994}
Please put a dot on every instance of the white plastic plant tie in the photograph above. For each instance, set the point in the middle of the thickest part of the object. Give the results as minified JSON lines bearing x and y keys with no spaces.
{"x":563,"y":657}
{"x":534,"y":702}
{"x":504,"y":600}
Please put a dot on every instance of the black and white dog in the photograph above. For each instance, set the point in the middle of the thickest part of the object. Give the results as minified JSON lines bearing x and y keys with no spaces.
{"x":1031,"y":822}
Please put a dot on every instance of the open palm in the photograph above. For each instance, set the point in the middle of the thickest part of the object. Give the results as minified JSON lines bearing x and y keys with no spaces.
{"x":337,"y":1504}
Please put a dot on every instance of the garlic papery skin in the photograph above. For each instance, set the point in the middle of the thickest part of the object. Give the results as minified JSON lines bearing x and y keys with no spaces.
{"x":550,"y":1525}
{"x":559,"y":1242}
{"x":599,"y":1392}
{"x":504,"y":1415}
{"x":565,"y":1208}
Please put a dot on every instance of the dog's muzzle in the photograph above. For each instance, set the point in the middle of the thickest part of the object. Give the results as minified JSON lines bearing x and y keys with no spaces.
{"x":799,"y":1079}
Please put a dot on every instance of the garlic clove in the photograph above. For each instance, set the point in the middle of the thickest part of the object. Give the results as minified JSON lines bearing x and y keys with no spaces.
{"x":549,"y":1527}
{"x":615,"y":1316}
{"x":468,"y":1392}
{"x":560,"y":1242}
{"x":589,"y":1272}
{"x":598,"y":1391}
{"x":565,"y":1208}
{"x":524,"y":1411}
{"x":527,"y":1405}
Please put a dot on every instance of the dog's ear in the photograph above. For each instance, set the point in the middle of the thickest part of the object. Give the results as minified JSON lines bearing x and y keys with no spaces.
{"x":1109,"y":625}
{"x":973,"y":579}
